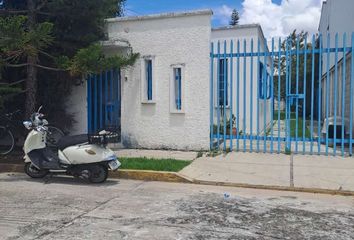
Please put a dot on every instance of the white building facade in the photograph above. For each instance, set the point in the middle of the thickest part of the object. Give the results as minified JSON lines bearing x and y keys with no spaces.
{"x":165,"y":96}
{"x":245,"y":79}
{"x":336,"y":18}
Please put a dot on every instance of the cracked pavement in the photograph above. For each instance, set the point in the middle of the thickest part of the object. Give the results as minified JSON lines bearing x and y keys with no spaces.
{"x":65,"y":208}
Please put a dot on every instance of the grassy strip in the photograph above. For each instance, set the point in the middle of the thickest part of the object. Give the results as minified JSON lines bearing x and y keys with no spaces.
{"x":282,"y":115}
{"x":300,"y":122}
{"x":168,"y":165}
{"x":293,"y":124}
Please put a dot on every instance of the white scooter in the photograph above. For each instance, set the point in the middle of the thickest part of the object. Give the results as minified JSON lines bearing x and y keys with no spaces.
{"x":85,"y":156}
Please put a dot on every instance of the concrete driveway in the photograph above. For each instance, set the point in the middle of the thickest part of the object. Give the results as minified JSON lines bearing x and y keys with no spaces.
{"x":64,"y":208}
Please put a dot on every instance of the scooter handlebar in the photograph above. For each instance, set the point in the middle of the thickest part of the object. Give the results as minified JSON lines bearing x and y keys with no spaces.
{"x":37,"y":121}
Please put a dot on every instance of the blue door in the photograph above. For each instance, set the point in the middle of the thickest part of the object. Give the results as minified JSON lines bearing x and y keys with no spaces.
{"x":104,"y":101}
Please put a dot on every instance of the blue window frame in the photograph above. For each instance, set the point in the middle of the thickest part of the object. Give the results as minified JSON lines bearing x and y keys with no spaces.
{"x":178,"y":87}
{"x":264,"y":80}
{"x":223,"y":70}
{"x":148,"y":64}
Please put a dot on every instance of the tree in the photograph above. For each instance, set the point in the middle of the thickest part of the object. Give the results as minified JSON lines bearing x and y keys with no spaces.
{"x":289,"y":45}
{"x":288,"y":67}
{"x":234,"y":18}
{"x":45,"y":41}
{"x":7,"y":92}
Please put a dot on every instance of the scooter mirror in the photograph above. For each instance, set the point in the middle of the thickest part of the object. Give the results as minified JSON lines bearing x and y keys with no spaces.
{"x":39,"y":109}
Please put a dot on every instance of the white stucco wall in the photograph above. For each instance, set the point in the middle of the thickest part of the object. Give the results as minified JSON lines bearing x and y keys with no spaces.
{"x":77,"y":106}
{"x":170,"y":39}
{"x":243,"y":33}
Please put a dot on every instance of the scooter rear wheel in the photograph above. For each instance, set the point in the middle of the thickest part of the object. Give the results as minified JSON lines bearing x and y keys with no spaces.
{"x":98,"y":173}
{"x":34,"y":172}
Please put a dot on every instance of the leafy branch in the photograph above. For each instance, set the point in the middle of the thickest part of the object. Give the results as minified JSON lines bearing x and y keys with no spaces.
{"x":93,"y":60}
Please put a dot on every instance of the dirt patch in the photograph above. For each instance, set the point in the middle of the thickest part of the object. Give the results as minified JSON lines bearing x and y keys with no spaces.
{"x":15,"y":157}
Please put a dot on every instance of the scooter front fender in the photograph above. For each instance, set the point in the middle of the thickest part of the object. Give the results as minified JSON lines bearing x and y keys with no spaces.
{"x":35,"y":140}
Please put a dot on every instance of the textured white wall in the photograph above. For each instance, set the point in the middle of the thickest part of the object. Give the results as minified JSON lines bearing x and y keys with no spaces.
{"x":246,"y":93}
{"x":77,"y":106}
{"x":170,"y":40}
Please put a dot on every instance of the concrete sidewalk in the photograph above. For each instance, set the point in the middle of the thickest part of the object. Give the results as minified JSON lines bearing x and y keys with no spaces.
{"x":157,"y":154}
{"x":275,"y":170}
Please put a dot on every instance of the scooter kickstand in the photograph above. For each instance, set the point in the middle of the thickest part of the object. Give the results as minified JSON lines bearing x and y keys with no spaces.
{"x":48,"y":178}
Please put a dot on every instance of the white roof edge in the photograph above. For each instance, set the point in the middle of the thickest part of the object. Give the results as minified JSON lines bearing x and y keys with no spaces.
{"x":161,"y":15}
{"x":119,"y":43}
{"x":252,"y":25}
{"x":243,"y":26}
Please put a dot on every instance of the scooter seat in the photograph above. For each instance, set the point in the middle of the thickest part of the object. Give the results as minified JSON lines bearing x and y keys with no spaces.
{"x":68,"y":141}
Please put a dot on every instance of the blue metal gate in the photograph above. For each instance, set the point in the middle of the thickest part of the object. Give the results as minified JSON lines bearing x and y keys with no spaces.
{"x":104,"y":101}
{"x":294,"y":95}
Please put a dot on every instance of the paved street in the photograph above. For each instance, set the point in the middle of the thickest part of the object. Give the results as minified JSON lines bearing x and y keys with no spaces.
{"x":64,"y":208}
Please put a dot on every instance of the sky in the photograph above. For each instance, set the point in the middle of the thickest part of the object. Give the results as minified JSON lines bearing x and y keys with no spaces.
{"x":278,"y":18}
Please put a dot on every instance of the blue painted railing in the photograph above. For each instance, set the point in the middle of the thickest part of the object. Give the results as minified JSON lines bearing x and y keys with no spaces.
{"x":312,"y":78}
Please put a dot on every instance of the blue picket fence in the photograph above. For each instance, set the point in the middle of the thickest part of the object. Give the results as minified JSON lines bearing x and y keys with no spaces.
{"x":290,"y":95}
{"x":104,"y":101}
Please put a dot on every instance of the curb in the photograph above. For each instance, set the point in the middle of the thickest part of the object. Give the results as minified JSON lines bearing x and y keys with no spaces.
{"x":276,"y":188}
{"x":145,"y":175}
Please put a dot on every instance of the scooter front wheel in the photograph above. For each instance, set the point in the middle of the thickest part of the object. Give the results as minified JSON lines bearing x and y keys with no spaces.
{"x":98,"y":173}
{"x":34,"y":172}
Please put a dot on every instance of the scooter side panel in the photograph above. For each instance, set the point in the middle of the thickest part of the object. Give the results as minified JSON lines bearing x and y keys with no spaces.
{"x":63,"y":158}
{"x":89,"y":153}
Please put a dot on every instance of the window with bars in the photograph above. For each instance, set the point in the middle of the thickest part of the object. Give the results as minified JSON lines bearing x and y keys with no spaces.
{"x":177,"y":75}
{"x":148,"y":80}
{"x":148,"y":74}
{"x":264,"y":90}
{"x":223,"y":82}
{"x":177,"y":103}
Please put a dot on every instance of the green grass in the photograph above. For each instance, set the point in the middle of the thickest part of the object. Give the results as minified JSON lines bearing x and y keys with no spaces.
{"x":299,"y":130}
{"x":168,"y":165}
{"x":282,"y":115}
{"x":293,"y":125}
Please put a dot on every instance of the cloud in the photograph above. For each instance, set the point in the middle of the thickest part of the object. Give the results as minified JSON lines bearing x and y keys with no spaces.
{"x":223,"y":14}
{"x":280,"y":20}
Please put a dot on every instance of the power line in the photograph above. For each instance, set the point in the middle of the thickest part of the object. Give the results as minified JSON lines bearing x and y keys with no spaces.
{"x":130,"y":10}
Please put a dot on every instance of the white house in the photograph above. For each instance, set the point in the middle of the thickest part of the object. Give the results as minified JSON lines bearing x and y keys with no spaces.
{"x":336,"y":18}
{"x":245,"y":39}
{"x":164,"y":99}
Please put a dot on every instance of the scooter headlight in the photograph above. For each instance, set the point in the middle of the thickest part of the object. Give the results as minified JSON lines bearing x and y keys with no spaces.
{"x":111,"y":158}
{"x":27,"y":124}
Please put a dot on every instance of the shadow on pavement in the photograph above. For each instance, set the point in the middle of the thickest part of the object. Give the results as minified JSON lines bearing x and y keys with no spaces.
{"x":56,"y":179}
